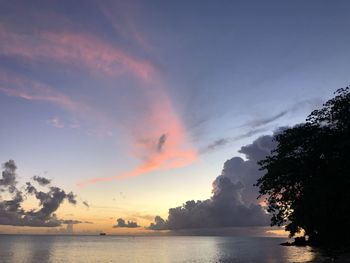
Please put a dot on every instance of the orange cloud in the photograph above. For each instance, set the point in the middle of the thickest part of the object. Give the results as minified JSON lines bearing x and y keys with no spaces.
{"x":156,"y":162}
{"x":161,"y":119}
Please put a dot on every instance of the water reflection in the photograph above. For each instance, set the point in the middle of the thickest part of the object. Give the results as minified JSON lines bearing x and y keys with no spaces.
{"x":25,"y":248}
{"x":40,"y":248}
{"x":301,"y":254}
{"x":89,"y":249}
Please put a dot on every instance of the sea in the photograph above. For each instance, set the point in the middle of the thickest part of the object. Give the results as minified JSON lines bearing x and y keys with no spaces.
{"x":193,"y":249}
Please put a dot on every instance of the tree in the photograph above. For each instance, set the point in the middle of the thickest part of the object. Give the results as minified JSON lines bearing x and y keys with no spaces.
{"x":307,"y":179}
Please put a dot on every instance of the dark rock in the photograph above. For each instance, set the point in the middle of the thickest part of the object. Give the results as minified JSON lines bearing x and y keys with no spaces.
{"x":286,"y":244}
{"x":300,"y":241}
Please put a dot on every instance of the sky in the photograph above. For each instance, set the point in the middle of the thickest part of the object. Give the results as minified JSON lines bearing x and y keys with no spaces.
{"x":139,"y":106}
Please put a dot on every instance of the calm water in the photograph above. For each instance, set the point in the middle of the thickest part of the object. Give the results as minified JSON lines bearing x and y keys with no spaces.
{"x":87,"y":249}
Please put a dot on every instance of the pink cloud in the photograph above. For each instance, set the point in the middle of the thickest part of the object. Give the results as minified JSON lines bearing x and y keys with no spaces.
{"x":160,"y":119}
{"x":87,"y":51}
{"x":18,"y":86}
{"x":74,"y":49}
{"x":15,"y":85}
{"x":120,"y":16}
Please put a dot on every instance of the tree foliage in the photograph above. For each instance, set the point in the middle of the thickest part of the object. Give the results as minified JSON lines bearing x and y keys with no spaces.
{"x":307,"y":179}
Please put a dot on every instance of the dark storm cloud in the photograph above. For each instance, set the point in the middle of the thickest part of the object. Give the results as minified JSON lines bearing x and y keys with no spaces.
{"x":41,"y":180}
{"x":11,"y":211}
{"x":161,"y":141}
{"x":121,"y":223}
{"x":234,"y":198}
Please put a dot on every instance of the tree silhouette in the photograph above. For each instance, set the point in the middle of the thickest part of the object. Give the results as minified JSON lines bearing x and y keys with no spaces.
{"x":307,"y":179}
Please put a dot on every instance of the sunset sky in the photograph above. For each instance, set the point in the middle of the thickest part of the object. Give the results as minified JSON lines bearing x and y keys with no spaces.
{"x":134,"y":106}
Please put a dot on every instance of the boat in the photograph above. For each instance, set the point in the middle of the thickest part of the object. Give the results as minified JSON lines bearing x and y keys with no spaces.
{"x":103,"y":234}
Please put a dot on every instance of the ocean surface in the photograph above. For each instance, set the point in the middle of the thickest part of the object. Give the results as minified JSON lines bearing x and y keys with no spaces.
{"x":194,"y":249}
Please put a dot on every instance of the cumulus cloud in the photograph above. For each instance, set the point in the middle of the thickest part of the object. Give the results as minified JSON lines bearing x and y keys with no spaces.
{"x":8,"y":179}
{"x":234,"y":198}
{"x":159,"y":224}
{"x":224,"y":209}
{"x":121,"y":223}
{"x":41,"y":180}
{"x":11,"y":210}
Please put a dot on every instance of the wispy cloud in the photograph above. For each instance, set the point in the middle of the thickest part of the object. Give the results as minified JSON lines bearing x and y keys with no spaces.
{"x":142,"y":216}
{"x":216,"y":144}
{"x":147,"y":133}
{"x":72,"y":48}
{"x":15,"y":85}
{"x":221,"y":142}
{"x":312,"y":103}
{"x":264,"y":121}
{"x":55,"y":122}
{"x":120,"y":15}
{"x":58,"y":123}
{"x":259,"y":125}
{"x":159,"y":123}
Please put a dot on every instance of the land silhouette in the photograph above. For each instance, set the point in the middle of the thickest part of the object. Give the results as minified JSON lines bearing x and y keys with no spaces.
{"x":306,"y":182}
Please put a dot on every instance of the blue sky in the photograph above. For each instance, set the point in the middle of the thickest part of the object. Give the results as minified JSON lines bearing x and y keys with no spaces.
{"x":88,"y":88}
